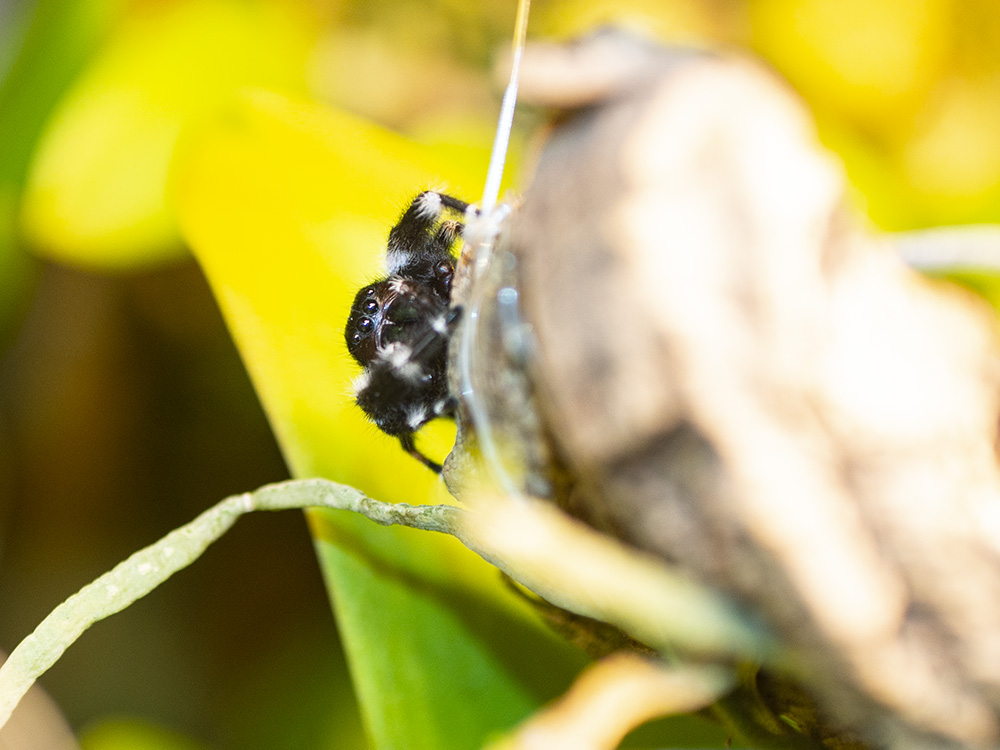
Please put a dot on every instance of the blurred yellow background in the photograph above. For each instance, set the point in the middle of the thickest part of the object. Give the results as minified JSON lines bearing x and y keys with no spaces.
{"x":261,"y":135}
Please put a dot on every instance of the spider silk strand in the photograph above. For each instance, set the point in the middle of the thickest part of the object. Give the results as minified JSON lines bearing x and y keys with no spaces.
{"x":501,"y":140}
{"x":485,"y":226}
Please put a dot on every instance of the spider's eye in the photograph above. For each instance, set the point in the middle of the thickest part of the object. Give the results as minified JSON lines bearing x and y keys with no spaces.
{"x":365,"y":325}
{"x":370,"y":291}
{"x":371,"y":307}
{"x":443,"y":269}
{"x":356,"y":338}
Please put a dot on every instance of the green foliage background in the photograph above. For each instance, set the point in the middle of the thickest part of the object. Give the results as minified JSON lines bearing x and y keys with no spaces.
{"x":176,"y":175}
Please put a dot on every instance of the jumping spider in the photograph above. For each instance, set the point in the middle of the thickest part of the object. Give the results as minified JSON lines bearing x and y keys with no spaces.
{"x":399,"y":326}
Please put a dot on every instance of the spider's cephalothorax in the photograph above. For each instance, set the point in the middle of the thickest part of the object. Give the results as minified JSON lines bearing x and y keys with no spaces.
{"x":399,"y":326}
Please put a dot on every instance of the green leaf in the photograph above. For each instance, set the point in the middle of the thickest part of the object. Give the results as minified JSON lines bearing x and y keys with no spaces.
{"x":47,"y":52}
{"x":132,"y":734}
{"x":286,"y":206}
{"x":59,"y":39}
{"x":97,"y":186}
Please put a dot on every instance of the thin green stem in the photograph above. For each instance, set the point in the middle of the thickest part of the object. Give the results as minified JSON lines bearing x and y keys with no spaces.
{"x":557,"y":558}
{"x":148,"y":568}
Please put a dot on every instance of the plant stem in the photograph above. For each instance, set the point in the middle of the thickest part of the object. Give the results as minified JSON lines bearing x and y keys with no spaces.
{"x":135,"y":577}
{"x":535,"y":546}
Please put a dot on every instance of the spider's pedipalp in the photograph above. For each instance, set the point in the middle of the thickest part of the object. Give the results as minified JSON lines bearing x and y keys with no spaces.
{"x":403,"y":363}
{"x":439,"y":323}
{"x":417,"y":417}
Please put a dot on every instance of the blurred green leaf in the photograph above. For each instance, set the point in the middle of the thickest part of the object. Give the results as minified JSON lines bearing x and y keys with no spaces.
{"x":133,"y":734}
{"x":56,"y":40}
{"x":59,"y":39}
{"x":15,"y":270}
{"x":296,"y":695}
{"x":871,"y":61}
{"x":287,"y":206}
{"x":96,"y":190}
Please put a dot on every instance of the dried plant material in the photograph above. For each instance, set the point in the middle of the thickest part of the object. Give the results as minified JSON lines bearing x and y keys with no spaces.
{"x":745,"y":383}
{"x":614,"y":696}
{"x":593,"y":575}
{"x":534,"y":545}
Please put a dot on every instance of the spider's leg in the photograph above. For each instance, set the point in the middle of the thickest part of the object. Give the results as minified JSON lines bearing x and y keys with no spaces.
{"x":406,"y":440}
{"x":447,"y":233}
{"x":404,"y":387}
{"x":459,"y":206}
{"x":413,"y":242}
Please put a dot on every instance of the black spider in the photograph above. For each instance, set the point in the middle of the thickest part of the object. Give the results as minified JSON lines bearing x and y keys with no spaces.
{"x":399,"y":326}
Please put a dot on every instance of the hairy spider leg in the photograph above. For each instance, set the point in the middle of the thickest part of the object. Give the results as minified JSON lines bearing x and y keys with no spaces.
{"x":406,"y":440}
{"x":441,"y":407}
{"x":416,"y":244}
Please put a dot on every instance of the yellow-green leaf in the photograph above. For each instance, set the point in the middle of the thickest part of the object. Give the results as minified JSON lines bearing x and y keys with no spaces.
{"x":869,"y":61}
{"x":287,"y":207}
{"x":56,"y":40}
{"x":132,"y":734}
{"x":96,"y":191}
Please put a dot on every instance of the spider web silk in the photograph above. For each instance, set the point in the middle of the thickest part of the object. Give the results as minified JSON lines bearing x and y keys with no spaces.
{"x":501,"y":140}
{"x":484,"y":227}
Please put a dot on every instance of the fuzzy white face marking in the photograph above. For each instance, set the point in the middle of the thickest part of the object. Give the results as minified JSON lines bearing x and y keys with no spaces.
{"x":429,"y":206}
{"x":439,"y":407}
{"x":439,"y":324}
{"x":412,"y":372}
{"x":397,"y":354}
{"x":397,"y":285}
{"x":401,"y":360}
{"x":416,"y":416}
